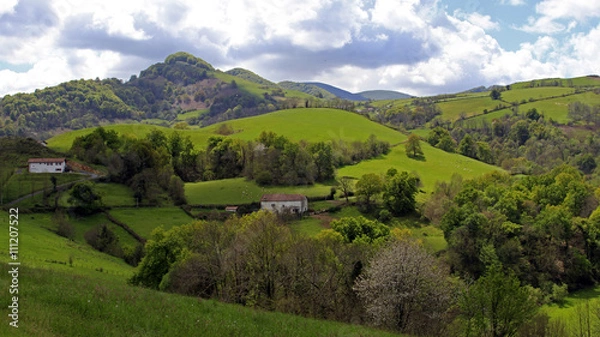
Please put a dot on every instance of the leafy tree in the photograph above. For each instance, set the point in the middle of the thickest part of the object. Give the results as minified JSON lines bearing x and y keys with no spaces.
{"x":586,"y":163}
{"x":447,"y":144}
{"x":496,"y":94}
{"x":177,"y":191}
{"x":399,"y":193}
{"x":85,"y":198}
{"x":413,"y":146}
{"x":496,"y":305}
{"x":361,"y":229}
{"x":368,"y":187}
{"x":346,"y":185}
{"x":323,"y":159}
{"x":467,"y":147}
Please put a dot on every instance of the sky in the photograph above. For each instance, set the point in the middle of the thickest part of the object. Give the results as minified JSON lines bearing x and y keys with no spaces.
{"x":420,"y":47}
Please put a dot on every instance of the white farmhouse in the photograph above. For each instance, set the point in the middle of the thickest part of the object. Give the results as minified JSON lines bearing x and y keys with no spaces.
{"x":279,"y":203}
{"x":47,"y":165}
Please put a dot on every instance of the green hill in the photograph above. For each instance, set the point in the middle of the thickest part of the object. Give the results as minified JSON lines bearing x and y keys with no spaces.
{"x":437,"y":166}
{"x":250,"y":76}
{"x":296,"y":124}
{"x":308,"y":88}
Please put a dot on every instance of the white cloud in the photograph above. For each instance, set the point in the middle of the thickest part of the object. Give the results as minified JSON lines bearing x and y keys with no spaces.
{"x":407,"y":45}
{"x":542,"y":25}
{"x":551,"y":12}
{"x":8,"y":6}
{"x":483,"y":21}
{"x":579,"y":9}
{"x":513,"y":2}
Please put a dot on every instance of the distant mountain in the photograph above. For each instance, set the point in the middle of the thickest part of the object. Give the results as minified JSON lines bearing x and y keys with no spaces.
{"x":477,"y":89}
{"x":311,"y":88}
{"x":340,"y":93}
{"x":308,"y":88}
{"x":379,"y":95}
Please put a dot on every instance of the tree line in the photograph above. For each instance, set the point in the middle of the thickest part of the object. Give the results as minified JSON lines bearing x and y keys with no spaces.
{"x":525,"y":143}
{"x":161,"y":163}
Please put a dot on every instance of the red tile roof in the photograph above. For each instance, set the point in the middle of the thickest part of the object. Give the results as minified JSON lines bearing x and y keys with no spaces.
{"x":46,"y":160}
{"x":282,"y":197}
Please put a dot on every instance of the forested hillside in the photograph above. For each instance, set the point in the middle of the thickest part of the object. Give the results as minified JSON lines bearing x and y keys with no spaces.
{"x":165,"y":90}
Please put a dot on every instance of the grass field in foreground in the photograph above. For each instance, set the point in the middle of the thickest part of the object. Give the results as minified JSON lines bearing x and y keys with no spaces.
{"x":39,"y":247}
{"x":437,"y":166}
{"x":239,"y":191}
{"x":144,"y":220}
{"x":61,"y":304}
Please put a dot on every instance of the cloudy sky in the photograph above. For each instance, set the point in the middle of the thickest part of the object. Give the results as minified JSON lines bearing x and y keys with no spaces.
{"x":420,"y":47}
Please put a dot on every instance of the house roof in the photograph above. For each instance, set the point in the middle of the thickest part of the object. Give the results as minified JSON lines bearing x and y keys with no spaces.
{"x":282,"y":197}
{"x":46,"y":160}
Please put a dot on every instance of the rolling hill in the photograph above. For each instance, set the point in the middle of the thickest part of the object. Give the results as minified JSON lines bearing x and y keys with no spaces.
{"x":296,"y":124}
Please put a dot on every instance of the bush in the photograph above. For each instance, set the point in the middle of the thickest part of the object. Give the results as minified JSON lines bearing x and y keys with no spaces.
{"x":104,"y":240}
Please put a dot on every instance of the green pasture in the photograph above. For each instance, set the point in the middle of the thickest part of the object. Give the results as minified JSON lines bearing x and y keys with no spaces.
{"x":518,"y":95}
{"x":25,"y":183}
{"x":312,"y":125}
{"x":296,"y":124}
{"x":240,"y":191}
{"x":555,"y":108}
{"x":112,"y":194}
{"x":307,"y":226}
{"x":41,"y":248}
{"x":144,"y":220}
{"x":437,"y":165}
{"x":58,"y":303}
{"x":584,"y":81}
{"x":469,"y":105}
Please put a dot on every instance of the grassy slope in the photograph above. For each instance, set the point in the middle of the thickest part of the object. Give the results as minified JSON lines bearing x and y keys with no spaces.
{"x":144,"y":220}
{"x":437,"y":166}
{"x":556,"y":108}
{"x":239,"y":191}
{"x":296,"y":124}
{"x":469,"y":104}
{"x":62,"y":304}
{"x":312,"y":125}
{"x":41,"y":248}
{"x":56,"y":299}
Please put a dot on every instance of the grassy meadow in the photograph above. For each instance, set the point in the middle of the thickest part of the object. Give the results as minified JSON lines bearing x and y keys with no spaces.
{"x":470,"y":105}
{"x":41,"y":248}
{"x":58,"y":303}
{"x":296,"y":124}
{"x":144,"y":220}
{"x":437,"y":165}
{"x":240,"y":191}
{"x":556,"y":109}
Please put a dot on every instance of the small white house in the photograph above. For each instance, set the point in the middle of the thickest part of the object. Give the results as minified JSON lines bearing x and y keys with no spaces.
{"x":280,"y":203}
{"x":47,"y":165}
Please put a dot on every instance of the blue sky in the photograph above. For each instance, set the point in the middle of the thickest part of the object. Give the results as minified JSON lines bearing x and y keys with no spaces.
{"x":421,"y":47}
